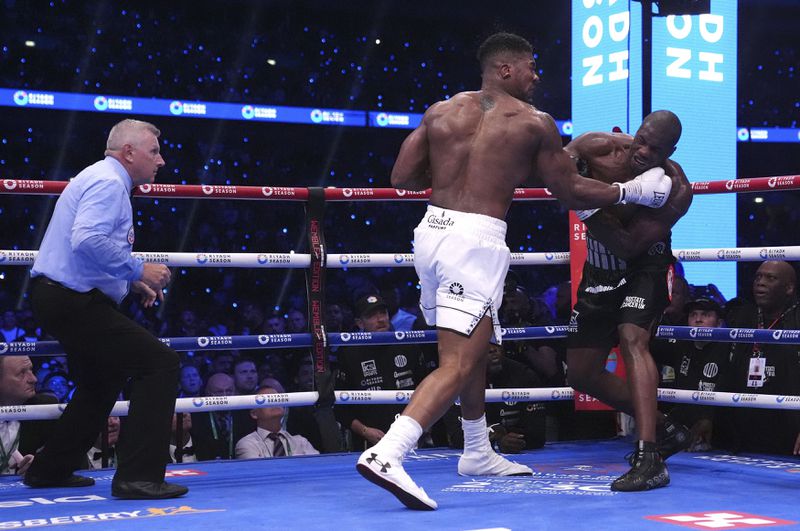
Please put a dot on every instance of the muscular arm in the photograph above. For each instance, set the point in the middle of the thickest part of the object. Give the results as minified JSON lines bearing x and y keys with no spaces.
{"x":411,"y":170}
{"x":647,"y":226}
{"x":557,"y":171}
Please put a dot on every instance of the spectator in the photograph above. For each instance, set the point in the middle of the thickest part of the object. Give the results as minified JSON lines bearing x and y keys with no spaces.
{"x":252,"y":319}
{"x":695,"y":365}
{"x":59,"y":385}
{"x":215,"y":433}
{"x":11,"y":332}
{"x":375,"y":367}
{"x":187,"y":448}
{"x":297,"y":323}
{"x":95,"y":454}
{"x":514,"y":426}
{"x":20,"y":439}
{"x":222,"y":363}
{"x":190,"y":383}
{"x":399,"y":318}
{"x":270,"y":439}
{"x":275,"y":324}
{"x":765,"y":368}
{"x":245,"y":377}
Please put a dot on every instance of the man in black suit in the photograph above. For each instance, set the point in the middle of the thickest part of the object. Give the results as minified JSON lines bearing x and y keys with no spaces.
{"x":216,"y":433}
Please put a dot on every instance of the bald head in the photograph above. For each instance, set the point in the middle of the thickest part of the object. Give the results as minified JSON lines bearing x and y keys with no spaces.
{"x":666,"y":122}
{"x":220,"y":384}
{"x":775,"y":286}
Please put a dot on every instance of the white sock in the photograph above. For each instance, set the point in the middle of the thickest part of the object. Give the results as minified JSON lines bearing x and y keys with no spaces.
{"x":476,"y":436}
{"x":402,"y":436}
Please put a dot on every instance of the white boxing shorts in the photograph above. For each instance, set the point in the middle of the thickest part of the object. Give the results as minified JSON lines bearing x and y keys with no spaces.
{"x":462,"y":260}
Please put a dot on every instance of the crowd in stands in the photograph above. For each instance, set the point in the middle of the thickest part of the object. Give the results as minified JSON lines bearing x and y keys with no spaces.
{"x":404,"y":62}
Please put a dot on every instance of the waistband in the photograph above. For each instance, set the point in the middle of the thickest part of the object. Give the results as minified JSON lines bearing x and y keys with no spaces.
{"x":480,"y":225}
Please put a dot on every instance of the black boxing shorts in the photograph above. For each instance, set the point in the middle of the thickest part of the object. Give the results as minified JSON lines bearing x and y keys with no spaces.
{"x":609,"y":299}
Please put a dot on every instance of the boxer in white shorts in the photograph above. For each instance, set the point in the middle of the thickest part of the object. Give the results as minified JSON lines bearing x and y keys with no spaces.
{"x":462,"y":260}
{"x":473,"y":150}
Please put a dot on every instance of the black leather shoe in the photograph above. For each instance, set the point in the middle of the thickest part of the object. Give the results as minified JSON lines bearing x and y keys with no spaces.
{"x":71,"y":481}
{"x":146,"y":490}
{"x":647,"y":472}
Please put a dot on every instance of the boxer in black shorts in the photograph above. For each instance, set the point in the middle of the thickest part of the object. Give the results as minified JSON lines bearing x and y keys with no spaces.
{"x":626,"y":286}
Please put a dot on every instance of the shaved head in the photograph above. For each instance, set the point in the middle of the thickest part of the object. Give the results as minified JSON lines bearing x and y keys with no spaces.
{"x":667,"y":122}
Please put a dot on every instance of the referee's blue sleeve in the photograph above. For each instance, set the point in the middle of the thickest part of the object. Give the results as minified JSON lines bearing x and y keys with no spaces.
{"x":94,"y":222}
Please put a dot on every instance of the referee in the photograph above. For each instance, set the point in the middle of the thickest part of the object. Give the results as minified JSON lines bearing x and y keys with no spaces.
{"x":83,"y":271}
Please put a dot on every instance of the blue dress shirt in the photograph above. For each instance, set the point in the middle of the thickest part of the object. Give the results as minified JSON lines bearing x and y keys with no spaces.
{"x":89,"y":239}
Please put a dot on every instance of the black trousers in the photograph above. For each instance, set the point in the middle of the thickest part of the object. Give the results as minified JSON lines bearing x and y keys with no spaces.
{"x":105,"y":350}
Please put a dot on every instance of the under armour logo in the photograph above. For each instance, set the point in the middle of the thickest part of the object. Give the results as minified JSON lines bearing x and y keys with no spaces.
{"x":374,"y":458}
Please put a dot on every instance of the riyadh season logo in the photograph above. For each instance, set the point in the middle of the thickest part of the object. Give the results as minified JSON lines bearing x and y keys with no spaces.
{"x":202,"y":258}
{"x":402,"y":396}
{"x":176,"y":108}
{"x":21,"y":97}
{"x":456,"y":288}
{"x":202,"y":341}
{"x":3,"y":257}
{"x":262,"y":259}
{"x":9,"y":184}
{"x":344,"y":396}
{"x":3,"y":348}
{"x":344,"y":259}
{"x":345,"y":336}
{"x":347,"y":192}
{"x":399,"y":335}
{"x":549,"y":256}
{"x":696,"y":396}
{"x":248,"y":112}
{"x":198,"y":402}
{"x":263,"y":339}
{"x":207,"y":189}
{"x":399,"y":259}
{"x":145,"y":188}
{"x":260,"y":400}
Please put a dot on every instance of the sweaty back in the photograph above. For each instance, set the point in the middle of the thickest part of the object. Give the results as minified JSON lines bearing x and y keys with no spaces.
{"x":481,"y":147}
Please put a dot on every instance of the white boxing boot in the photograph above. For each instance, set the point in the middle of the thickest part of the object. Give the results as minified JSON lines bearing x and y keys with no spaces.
{"x":383,"y":464}
{"x":479,"y":459}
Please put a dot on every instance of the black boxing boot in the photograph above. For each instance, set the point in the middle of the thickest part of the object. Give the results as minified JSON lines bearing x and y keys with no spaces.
{"x":671,"y":438}
{"x":647,"y":472}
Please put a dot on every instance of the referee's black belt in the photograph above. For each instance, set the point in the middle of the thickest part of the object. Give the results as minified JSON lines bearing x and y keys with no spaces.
{"x":44,"y":280}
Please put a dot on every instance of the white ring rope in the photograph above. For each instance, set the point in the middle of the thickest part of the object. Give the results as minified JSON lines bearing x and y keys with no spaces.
{"x":347,"y":260}
{"x":543,"y":394}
